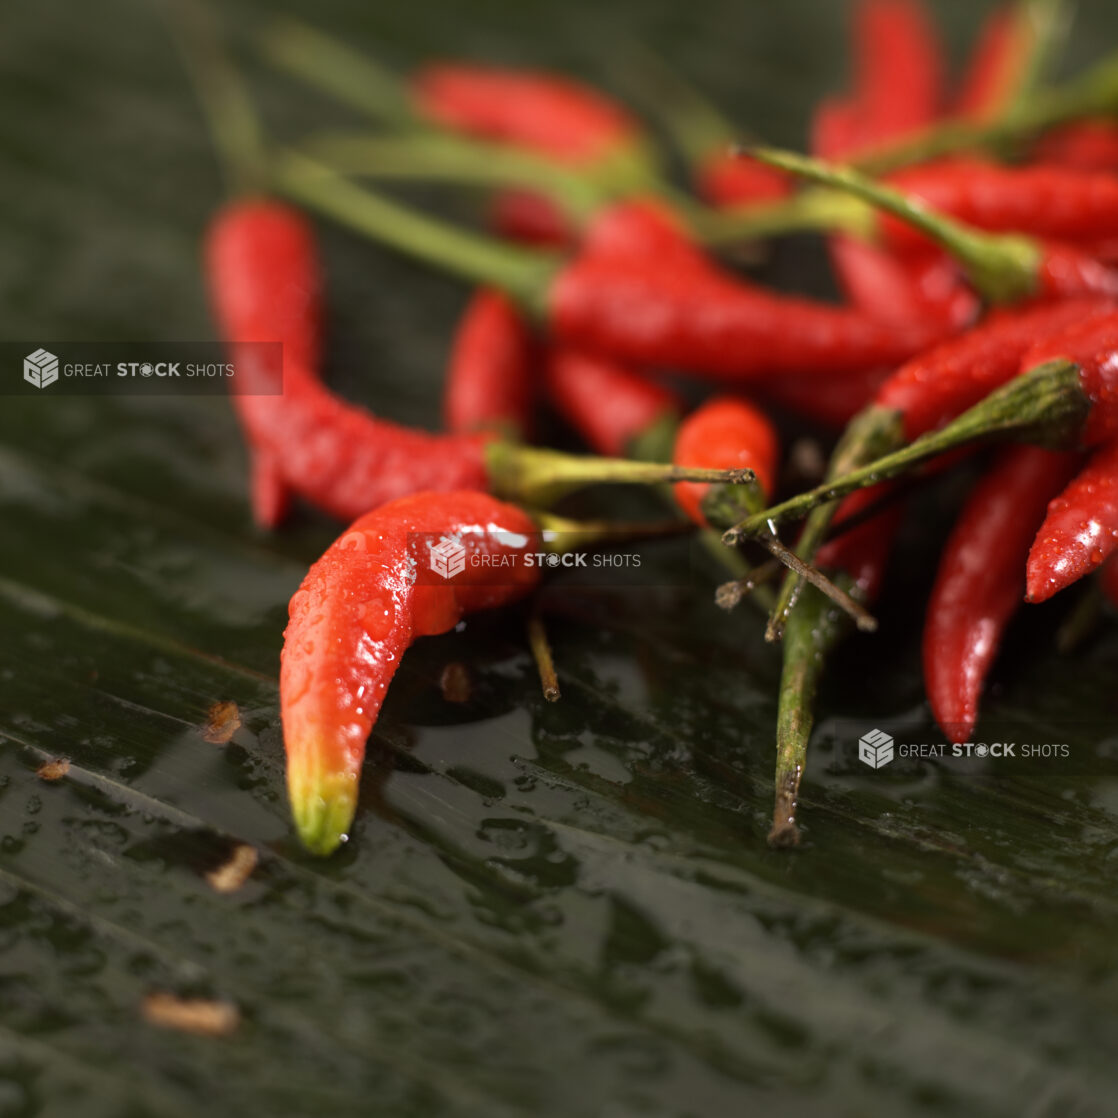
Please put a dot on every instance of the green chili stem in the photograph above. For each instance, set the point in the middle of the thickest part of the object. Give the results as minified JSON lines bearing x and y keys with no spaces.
{"x":1045,"y":406}
{"x":231,"y":118}
{"x":524,"y":274}
{"x":876,"y":431}
{"x":456,"y":159}
{"x":824,"y":211}
{"x":812,"y":631}
{"x":541,"y":653}
{"x":328,"y":64}
{"x":1002,"y":267}
{"x":561,"y":533}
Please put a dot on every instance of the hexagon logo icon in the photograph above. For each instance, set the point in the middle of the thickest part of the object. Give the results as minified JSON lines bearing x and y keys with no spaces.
{"x":40,"y":368}
{"x":448,"y":557}
{"x":875,"y":749}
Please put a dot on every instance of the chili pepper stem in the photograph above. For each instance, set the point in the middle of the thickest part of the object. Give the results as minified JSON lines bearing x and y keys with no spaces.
{"x":524,"y":275}
{"x":230,"y":116}
{"x":1045,"y":405}
{"x":874,"y":432}
{"x":824,"y":211}
{"x":331,"y":66}
{"x":460,"y":159}
{"x":535,"y":476}
{"x":561,"y":533}
{"x":541,"y":653}
{"x":813,"y":629}
{"x":1003,"y":267}
{"x":729,"y":595}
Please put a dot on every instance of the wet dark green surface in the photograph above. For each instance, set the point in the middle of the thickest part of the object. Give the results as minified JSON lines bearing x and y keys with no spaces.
{"x":562,"y":910}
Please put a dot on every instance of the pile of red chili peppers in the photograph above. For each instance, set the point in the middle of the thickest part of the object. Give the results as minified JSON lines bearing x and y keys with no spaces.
{"x":973,"y":231}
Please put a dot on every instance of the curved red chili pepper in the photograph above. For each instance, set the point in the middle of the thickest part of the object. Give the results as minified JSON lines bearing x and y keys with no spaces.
{"x":264,"y":280}
{"x":541,"y":112}
{"x":699,"y":320}
{"x":898,"y":67}
{"x":724,"y":433}
{"x":1058,"y":203}
{"x":641,"y":231}
{"x":936,"y":386}
{"x":981,"y":579}
{"x":996,"y":65}
{"x":358,"y":609}
{"x":1080,"y":529}
{"x":1083,"y":145}
{"x":610,"y":406}
{"x":831,"y":402}
{"x":490,"y":384}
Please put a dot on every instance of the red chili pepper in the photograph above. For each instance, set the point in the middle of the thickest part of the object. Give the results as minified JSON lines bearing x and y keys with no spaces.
{"x":1059,"y":203}
{"x":726,"y":180}
{"x":264,"y":279}
{"x":981,"y":580}
{"x":612,"y":407}
{"x":898,"y":67}
{"x":1084,"y":145}
{"x":490,"y":383}
{"x":863,"y":550}
{"x":359,"y":608}
{"x":530,"y":219}
{"x":831,"y":402}
{"x":996,"y":65}
{"x":724,"y":433}
{"x":641,"y":231}
{"x":1080,"y":529}
{"x":541,"y":112}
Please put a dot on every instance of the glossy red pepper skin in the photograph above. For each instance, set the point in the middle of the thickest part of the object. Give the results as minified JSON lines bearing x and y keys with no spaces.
{"x":1080,"y":529}
{"x":1084,"y":145}
{"x":1093,"y":346}
{"x":727,"y":179}
{"x":899,"y":67}
{"x":697,"y":319}
{"x":490,"y":380}
{"x":1056,"y":203}
{"x":724,"y":433}
{"x":265,"y":285}
{"x":981,"y":578}
{"x":609,"y":405}
{"x":939,"y":385}
{"x":540,"y":112}
{"x":359,"y":608}
{"x":345,"y":461}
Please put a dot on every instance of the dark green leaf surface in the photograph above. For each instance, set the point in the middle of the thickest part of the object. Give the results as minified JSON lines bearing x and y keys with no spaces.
{"x":554,"y":910}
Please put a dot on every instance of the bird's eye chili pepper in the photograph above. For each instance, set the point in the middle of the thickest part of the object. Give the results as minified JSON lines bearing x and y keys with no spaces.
{"x":728,"y":432}
{"x":981,"y":579}
{"x":695,"y":318}
{"x":727,"y":182}
{"x":541,"y":112}
{"x":616,"y":411}
{"x":1086,"y":145}
{"x":830,"y":403}
{"x":1069,"y":400}
{"x":1080,"y":529}
{"x":1002,"y":62}
{"x":898,"y":67}
{"x":264,"y":280}
{"x":490,"y":379}
{"x":926,"y":393}
{"x":360,"y":606}
{"x":530,"y":218}
{"x":1002,"y":267}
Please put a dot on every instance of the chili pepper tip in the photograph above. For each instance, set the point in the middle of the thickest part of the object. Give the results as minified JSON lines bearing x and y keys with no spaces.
{"x":323,"y":807}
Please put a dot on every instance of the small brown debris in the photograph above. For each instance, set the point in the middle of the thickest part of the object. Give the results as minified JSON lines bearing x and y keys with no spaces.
{"x":235,"y":871}
{"x":190,"y":1015}
{"x":53,"y":770}
{"x":224,"y":722}
{"x":455,"y":682}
